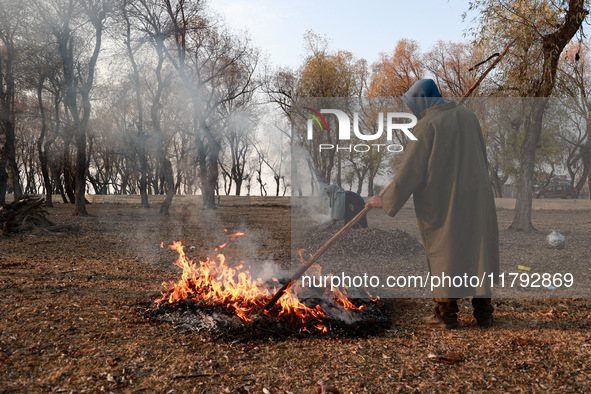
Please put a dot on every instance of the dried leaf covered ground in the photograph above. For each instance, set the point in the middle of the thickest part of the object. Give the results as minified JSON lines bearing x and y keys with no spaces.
{"x":72,"y":315}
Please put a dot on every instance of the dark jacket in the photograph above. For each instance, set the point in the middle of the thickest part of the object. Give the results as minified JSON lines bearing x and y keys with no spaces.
{"x":354,"y":204}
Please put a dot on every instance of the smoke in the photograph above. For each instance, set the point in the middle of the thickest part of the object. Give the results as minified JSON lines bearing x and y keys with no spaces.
{"x":267,"y":271}
{"x":309,"y":200}
{"x":321,"y":218}
{"x":303,"y":175}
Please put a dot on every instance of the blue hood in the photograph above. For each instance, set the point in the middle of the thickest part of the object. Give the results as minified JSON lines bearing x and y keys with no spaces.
{"x":422,"y":95}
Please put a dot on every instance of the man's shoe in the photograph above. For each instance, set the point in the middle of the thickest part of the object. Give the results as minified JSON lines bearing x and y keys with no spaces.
{"x":435,"y":320}
{"x":485,"y":323}
{"x":432,"y":320}
{"x":447,"y":325}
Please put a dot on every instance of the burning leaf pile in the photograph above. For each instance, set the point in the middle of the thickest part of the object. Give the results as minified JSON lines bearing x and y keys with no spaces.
{"x":220,"y":296}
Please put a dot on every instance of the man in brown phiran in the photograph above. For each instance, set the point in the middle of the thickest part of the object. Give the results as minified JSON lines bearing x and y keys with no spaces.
{"x":446,"y":172}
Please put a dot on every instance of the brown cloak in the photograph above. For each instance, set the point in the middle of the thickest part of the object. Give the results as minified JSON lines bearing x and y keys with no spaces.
{"x":446,"y":172}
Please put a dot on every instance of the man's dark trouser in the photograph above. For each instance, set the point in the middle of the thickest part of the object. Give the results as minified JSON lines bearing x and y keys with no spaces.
{"x":448,"y":307}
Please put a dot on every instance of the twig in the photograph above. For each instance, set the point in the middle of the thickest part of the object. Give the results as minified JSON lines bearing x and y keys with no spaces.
{"x":474,"y":67}
{"x":485,"y":73}
{"x":198,"y":375}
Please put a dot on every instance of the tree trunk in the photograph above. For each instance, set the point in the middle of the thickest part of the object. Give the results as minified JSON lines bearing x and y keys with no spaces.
{"x":238,"y":185}
{"x":361,"y":178}
{"x":339,"y":169}
{"x":95,"y":185}
{"x":43,"y":146}
{"x":209,"y":183}
{"x":69,"y":181}
{"x":3,"y":182}
{"x":166,"y":168}
{"x":313,"y":176}
{"x":140,"y":115}
{"x":552,"y":46}
{"x":8,"y":110}
{"x":370,"y":179}
{"x":525,"y":185}
{"x":144,"y":175}
{"x":10,"y":152}
{"x":586,"y":159}
{"x":56,"y":173}
{"x":496,"y":183}
{"x":46,"y":180}
{"x":296,"y":189}
{"x":81,"y":163}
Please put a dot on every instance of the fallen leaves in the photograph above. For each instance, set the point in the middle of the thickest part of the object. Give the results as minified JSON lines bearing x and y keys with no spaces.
{"x":535,"y":344}
{"x":447,"y":358}
{"x":528,"y":342}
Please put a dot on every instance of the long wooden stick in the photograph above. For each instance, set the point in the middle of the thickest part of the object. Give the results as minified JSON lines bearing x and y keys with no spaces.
{"x":365,"y":210}
{"x":485,"y":73}
{"x":320,"y":252}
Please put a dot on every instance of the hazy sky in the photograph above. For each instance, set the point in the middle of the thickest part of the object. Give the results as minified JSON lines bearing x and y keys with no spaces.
{"x":363,"y":28}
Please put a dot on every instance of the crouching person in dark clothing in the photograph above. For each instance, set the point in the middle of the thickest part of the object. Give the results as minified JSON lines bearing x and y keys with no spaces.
{"x":354,"y":204}
{"x":345,"y":205}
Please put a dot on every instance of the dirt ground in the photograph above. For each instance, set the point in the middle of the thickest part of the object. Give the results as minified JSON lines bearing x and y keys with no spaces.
{"x":72,"y":315}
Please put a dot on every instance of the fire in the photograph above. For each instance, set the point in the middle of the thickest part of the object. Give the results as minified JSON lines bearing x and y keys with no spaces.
{"x":214,"y":282}
{"x":343,"y":299}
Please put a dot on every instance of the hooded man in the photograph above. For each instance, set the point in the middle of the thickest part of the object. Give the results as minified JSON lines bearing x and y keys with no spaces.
{"x":446,"y":172}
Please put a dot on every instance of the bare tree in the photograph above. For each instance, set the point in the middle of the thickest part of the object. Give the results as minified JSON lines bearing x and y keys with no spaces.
{"x":452,"y":66}
{"x":69,"y":22}
{"x":237,"y":130}
{"x":542,"y":29}
{"x":215,"y":68}
{"x":328,"y":74}
{"x":574,"y":82}
{"x":43,"y":69}
{"x":153,"y":22}
{"x":12,"y":17}
{"x":141,"y":133}
{"x":281,"y":89}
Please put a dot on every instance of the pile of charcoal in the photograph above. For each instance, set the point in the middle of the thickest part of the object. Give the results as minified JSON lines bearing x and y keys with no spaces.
{"x":221,"y":323}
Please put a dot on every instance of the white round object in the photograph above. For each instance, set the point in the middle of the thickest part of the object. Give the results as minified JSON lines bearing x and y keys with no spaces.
{"x":555,"y":240}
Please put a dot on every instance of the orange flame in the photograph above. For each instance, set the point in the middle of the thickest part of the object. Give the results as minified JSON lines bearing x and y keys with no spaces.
{"x":342,"y":298}
{"x":213,"y":282}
